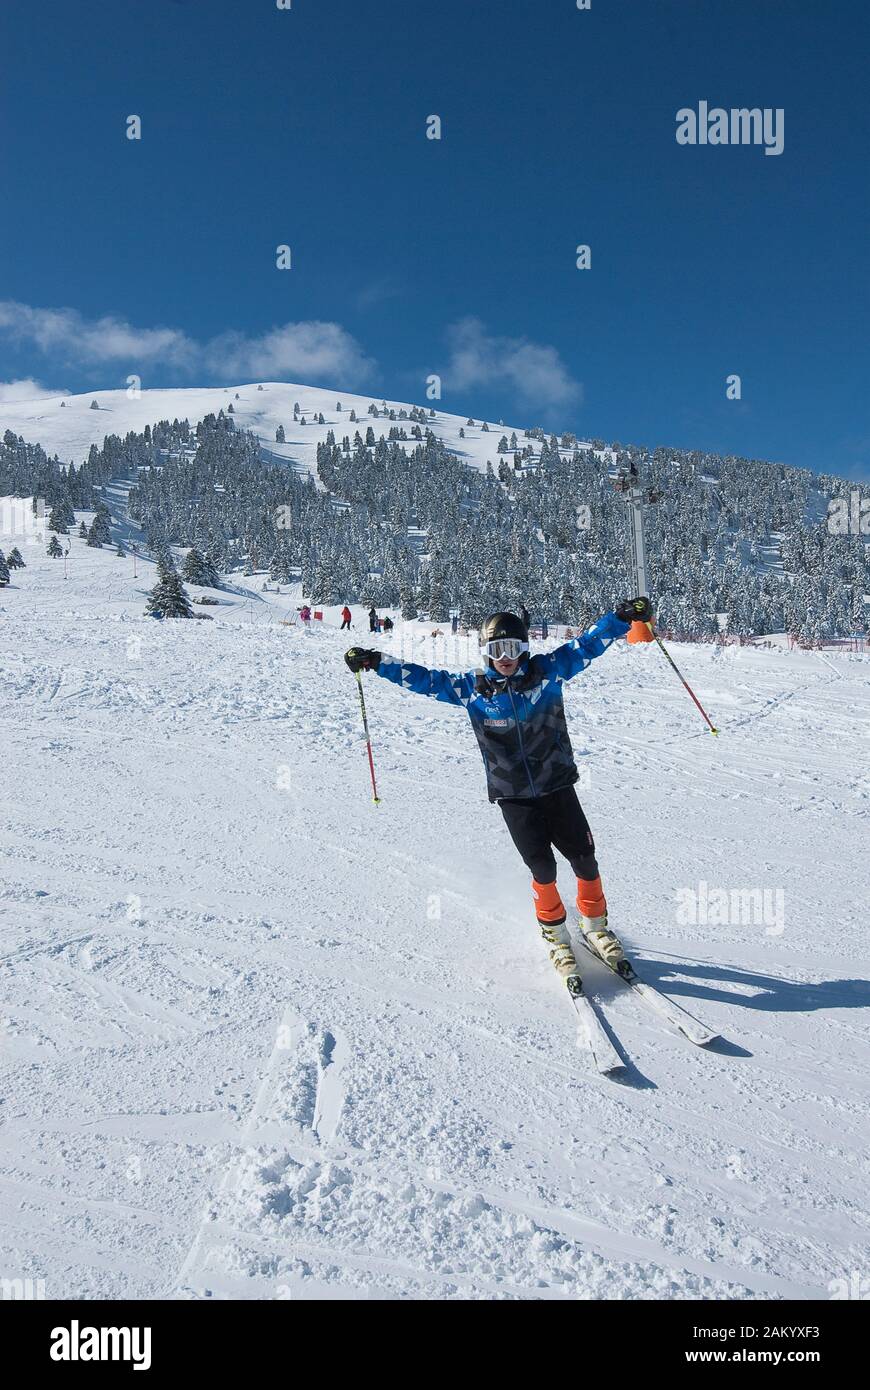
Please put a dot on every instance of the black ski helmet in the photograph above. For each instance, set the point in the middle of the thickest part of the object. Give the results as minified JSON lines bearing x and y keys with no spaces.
{"x":503,"y":625}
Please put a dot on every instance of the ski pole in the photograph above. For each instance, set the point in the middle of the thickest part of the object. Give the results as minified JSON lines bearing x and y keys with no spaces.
{"x":713,"y":729}
{"x":362,"y":706}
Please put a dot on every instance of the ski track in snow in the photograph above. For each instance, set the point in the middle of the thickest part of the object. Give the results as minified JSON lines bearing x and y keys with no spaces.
{"x":263,"y":1040}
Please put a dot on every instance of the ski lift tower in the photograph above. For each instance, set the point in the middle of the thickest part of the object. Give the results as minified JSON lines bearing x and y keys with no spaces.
{"x":637,"y":498}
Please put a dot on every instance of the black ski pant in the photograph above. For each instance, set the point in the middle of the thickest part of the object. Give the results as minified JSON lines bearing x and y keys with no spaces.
{"x":539,"y":824}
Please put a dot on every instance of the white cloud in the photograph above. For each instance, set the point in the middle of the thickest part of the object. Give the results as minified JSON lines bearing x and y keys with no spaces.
{"x":25,"y":390}
{"x":311,"y":350}
{"x":66,"y":333}
{"x":533,"y":371}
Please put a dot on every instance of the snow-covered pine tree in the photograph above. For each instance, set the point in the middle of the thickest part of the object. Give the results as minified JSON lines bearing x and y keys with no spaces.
{"x":169,"y":598}
{"x":281,"y":569}
{"x":193,"y":566}
{"x":55,"y":550}
{"x":323,"y":584}
{"x":439,"y":607}
{"x":100,"y":524}
{"x":164,"y":560}
{"x":210,"y":573}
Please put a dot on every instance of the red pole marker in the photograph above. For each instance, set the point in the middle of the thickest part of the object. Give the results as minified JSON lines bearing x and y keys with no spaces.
{"x":713,"y":729}
{"x":362,"y":706}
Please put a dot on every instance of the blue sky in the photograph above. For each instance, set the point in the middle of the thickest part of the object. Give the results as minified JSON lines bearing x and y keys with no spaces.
{"x":307,"y":127}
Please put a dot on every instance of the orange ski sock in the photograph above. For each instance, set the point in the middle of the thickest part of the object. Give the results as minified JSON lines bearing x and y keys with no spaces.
{"x":590,"y":897}
{"x":548,"y":904}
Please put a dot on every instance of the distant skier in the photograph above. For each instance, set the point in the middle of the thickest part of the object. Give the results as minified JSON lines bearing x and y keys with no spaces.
{"x":388,"y":624}
{"x":345,"y":618}
{"x":373,"y":620}
{"x":516,"y":710}
{"x":305,"y":615}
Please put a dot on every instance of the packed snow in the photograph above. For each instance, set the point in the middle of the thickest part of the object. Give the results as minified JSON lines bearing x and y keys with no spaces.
{"x":263,"y":1039}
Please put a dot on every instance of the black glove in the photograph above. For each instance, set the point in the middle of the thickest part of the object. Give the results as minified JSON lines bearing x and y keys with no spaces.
{"x":361,"y":659}
{"x":634,"y":610}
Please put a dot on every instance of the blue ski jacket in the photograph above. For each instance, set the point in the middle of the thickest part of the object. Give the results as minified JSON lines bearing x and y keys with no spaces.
{"x":519,"y":722}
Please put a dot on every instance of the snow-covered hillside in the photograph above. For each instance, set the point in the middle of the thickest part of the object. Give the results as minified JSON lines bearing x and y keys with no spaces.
{"x":262,"y":1039}
{"x":544,"y":527}
{"x":69,"y":431}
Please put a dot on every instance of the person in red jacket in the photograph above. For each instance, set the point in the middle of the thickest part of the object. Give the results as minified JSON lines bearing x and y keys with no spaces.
{"x":345,"y":618}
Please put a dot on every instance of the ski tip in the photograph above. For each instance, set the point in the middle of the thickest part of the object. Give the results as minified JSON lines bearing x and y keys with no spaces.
{"x":608,"y":1068}
{"x":699,"y":1036}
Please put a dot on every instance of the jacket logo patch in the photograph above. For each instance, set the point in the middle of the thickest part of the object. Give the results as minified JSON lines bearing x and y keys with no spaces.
{"x":498,"y":723}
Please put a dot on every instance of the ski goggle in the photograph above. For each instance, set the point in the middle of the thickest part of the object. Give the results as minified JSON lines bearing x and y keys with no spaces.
{"x":510,"y":647}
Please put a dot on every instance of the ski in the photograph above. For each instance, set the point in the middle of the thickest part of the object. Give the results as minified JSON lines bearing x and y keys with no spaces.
{"x":604,"y":1055}
{"x":691,"y":1028}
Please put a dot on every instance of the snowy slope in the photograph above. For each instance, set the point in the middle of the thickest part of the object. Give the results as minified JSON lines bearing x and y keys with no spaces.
{"x":262,"y":1039}
{"x":70,"y":431}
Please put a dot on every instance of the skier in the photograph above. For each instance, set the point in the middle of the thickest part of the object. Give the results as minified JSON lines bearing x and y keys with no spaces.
{"x":373,"y":620}
{"x":345,"y":618}
{"x":388,"y":624}
{"x":516,"y":711}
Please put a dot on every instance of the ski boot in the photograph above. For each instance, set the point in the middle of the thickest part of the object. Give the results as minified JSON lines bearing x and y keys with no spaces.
{"x":592,"y":906}
{"x":561,"y":954}
{"x":605,"y":943}
{"x":551,"y":914}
